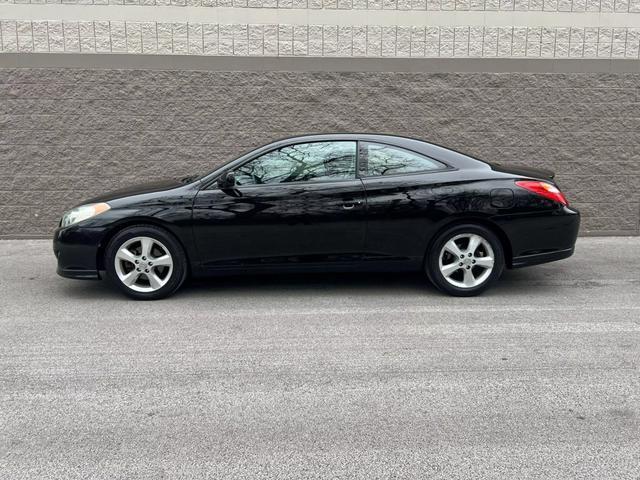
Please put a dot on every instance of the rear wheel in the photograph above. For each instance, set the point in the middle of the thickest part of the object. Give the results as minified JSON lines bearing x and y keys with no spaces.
{"x":145,"y":262}
{"x":465,"y":260}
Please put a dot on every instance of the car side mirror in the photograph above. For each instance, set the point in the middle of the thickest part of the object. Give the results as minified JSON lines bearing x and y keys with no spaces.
{"x":226,"y":180}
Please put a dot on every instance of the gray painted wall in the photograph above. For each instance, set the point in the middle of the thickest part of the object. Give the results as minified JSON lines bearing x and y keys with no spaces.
{"x":66,"y":134}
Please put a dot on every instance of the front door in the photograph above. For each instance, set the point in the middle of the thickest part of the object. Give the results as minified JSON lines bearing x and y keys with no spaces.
{"x":298,"y":205}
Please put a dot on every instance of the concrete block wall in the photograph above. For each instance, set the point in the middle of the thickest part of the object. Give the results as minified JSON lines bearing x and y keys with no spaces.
{"x":617,"y":6}
{"x":328,"y":40}
{"x":97,"y":94}
{"x":67,"y":134}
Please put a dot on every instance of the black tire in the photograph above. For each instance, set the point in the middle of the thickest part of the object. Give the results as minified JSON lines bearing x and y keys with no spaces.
{"x":432,"y":260}
{"x":177,"y":275}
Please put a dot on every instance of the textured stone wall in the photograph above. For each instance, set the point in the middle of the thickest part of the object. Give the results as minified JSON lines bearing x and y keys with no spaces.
{"x":66,"y":135}
{"x":618,"y":6}
{"x":182,"y":38}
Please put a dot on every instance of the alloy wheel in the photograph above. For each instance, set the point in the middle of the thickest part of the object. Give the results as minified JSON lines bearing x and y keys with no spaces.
{"x":466,"y":260}
{"x":143,"y":264}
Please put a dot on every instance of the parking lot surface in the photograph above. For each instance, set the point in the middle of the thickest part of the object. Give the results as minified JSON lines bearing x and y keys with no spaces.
{"x":323,"y":376}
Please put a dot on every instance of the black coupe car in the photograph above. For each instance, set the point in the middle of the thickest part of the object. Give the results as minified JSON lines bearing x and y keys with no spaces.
{"x":324,"y":203}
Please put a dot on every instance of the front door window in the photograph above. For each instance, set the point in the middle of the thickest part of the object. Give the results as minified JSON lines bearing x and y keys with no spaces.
{"x":303,"y":162}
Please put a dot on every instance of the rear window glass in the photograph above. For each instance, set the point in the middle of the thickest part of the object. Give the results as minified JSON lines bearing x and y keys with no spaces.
{"x":388,"y":160}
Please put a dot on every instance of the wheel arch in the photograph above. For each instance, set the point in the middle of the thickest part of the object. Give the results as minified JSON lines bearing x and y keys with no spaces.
{"x":481,"y":221}
{"x":137,"y":222}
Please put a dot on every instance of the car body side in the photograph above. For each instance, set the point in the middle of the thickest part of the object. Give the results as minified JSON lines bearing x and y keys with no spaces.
{"x":395,"y":222}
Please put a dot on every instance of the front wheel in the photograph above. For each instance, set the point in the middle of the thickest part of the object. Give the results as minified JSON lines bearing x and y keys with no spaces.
{"x":145,"y":262}
{"x":465,"y":260}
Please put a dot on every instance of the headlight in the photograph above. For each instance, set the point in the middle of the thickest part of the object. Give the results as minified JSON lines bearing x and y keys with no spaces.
{"x":83,"y":212}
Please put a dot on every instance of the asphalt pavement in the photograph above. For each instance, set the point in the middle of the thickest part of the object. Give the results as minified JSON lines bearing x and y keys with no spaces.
{"x":323,"y":376}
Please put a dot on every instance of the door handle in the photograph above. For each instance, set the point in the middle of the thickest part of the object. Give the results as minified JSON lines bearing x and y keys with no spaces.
{"x":351,"y":204}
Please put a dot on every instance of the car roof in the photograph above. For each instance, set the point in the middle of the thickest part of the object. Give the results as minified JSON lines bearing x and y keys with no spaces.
{"x":374,"y":137}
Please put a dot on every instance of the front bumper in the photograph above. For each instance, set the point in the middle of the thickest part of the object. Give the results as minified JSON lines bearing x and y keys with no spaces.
{"x":76,"y":249}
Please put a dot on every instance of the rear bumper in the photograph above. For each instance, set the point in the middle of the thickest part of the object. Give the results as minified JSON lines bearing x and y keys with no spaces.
{"x":540,"y":237}
{"x":76,"y":250}
{"x":538,"y":258}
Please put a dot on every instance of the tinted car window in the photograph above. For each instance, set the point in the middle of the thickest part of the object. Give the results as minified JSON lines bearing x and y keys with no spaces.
{"x":387,"y":160}
{"x":304,"y":162}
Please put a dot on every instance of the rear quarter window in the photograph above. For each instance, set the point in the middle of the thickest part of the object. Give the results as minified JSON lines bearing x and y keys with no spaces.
{"x":389,"y":160}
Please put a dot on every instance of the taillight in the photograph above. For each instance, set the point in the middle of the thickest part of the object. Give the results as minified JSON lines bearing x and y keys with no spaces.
{"x":543,"y":189}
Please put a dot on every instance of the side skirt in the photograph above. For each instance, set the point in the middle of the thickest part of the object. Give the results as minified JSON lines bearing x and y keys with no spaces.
{"x":367,"y":266}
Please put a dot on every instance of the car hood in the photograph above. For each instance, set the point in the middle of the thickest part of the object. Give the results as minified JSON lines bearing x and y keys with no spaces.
{"x":524,"y":171}
{"x":157,"y":186}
